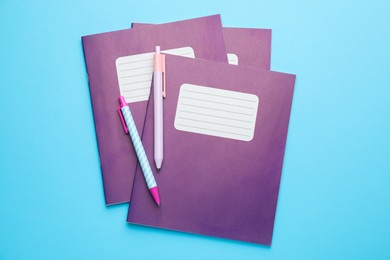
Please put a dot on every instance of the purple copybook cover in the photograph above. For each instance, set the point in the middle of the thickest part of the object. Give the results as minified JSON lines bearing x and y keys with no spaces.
{"x":245,"y":46}
{"x":121,"y":63}
{"x":225,"y":130}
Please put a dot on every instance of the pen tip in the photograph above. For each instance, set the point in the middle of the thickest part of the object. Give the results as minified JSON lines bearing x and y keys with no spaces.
{"x":159,"y":205}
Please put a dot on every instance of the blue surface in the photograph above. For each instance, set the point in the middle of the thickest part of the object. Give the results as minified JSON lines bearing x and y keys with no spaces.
{"x":334,"y":197}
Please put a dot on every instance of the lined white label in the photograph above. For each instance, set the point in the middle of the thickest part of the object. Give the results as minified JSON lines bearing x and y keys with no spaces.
{"x":216,"y":112}
{"x":232,"y":58}
{"x":135,"y":73}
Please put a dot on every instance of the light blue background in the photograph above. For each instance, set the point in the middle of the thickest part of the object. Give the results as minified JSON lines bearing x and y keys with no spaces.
{"x":335,"y":189}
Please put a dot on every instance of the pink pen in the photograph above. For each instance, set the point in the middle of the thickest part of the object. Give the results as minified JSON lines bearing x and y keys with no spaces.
{"x":159,"y":93}
{"x":131,"y":129}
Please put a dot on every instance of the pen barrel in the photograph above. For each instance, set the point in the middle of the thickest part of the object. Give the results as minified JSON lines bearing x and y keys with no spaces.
{"x":138,"y":147}
{"x":158,"y":118}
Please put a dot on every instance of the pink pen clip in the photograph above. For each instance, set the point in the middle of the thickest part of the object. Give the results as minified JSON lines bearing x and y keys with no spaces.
{"x":159,"y":65}
{"x":122,"y":103}
{"x":164,"y":88}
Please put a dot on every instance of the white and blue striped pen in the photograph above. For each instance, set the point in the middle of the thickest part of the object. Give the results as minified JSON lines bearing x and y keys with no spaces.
{"x":129,"y":125}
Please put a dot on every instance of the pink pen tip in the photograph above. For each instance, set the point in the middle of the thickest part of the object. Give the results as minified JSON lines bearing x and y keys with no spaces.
{"x":122,"y":101}
{"x":155,"y":195}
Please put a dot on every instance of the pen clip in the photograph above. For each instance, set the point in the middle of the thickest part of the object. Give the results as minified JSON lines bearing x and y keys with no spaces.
{"x":164,"y":87}
{"x":123,"y":120}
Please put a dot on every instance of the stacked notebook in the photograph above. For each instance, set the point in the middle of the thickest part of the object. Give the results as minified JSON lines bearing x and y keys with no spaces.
{"x":226,"y":118}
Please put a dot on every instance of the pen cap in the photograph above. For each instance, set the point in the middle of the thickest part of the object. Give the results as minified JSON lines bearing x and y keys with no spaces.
{"x":122,"y":102}
{"x":158,"y":62}
{"x":159,"y":66}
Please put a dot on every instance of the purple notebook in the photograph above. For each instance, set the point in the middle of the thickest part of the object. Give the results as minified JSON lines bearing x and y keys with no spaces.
{"x":121,"y":63}
{"x":225,"y":130}
{"x":244,"y":46}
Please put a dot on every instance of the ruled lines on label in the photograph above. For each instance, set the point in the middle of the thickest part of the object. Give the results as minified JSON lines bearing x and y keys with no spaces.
{"x":135,"y":73}
{"x":216,"y":112}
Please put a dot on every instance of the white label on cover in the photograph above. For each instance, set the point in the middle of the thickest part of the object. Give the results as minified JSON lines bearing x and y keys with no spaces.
{"x":232,"y":58}
{"x":135,"y":73}
{"x":216,"y":112}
